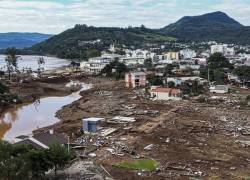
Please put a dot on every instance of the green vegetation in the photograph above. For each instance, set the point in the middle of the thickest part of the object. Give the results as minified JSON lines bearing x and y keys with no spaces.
{"x":217,"y":63}
{"x":74,"y":43}
{"x":243,"y":73}
{"x":171,"y":84}
{"x":191,"y":88}
{"x":25,"y":162}
{"x":148,"y":63}
{"x":3,"y":89}
{"x":215,"y":26}
{"x":141,"y":164}
{"x":155,"y":80}
{"x":168,"y":70}
{"x":115,"y":69}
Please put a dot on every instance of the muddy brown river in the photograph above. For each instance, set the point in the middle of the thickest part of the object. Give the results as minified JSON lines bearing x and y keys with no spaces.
{"x":23,"y":119}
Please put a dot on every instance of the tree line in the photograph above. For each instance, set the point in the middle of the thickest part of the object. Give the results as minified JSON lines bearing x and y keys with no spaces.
{"x":27,"y":162}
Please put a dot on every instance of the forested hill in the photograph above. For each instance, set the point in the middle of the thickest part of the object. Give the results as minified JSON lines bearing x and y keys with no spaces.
{"x":82,"y":41}
{"x":216,"y":26}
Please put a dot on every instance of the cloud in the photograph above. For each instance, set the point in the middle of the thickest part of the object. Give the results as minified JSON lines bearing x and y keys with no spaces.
{"x":58,"y":15}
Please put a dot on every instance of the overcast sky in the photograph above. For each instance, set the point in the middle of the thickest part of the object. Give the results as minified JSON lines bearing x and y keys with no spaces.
{"x":55,"y":16}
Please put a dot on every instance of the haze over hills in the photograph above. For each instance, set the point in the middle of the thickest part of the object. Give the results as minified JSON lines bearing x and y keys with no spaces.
{"x":216,"y":26}
{"x":21,"y":40}
{"x":74,"y":43}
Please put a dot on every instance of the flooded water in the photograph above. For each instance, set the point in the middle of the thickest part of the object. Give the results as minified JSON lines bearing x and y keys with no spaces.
{"x":22,"y":120}
{"x":31,"y":62}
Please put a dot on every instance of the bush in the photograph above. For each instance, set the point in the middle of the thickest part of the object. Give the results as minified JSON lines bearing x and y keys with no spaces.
{"x":3,"y":89}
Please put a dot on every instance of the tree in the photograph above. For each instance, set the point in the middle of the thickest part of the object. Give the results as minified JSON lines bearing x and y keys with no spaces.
{"x":11,"y":60}
{"x":148,"y":64}
{"x":12,"y":161}
{"x":192,"y":88}
{"x":243,"y":73}
{"x":115,"y":69}
{"x":121,"y":68}
{"x":2,"y":74}
{"x":168,"y":70}
{"x":155,"y":80}
{"x":58,"y":156}
{"x":40,"y":63}
{"x":38,"y":162}
{"x":3,"y":89}
{"x":171,"y":84}
{"x":217,"y":61}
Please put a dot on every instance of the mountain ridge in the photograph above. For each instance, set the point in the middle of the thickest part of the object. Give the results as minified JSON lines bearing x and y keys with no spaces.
{"x":21,"y":39}
{"x":216,"y":26}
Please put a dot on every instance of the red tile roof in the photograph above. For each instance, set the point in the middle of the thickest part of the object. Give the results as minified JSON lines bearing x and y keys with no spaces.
{"x":166,"y":90}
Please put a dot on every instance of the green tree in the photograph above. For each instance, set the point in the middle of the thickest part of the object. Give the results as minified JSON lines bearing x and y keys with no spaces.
{"x":1,"y":74}
{"x":12,"y":161}
{"x":168,"y":70}
{"x":171,"y":84}
{"x":148,"y":64}
{"x":3,"y":89}
{"x":155,"y":80}
{"x":58,"y":156}
{"x":217,"y":61}
{"x":11,"y":60}
{"x":191,"y":88}
{"x":218,"y":75}
{"x":93,"y":53}
{"x":243,"y":72}
{"x":38,"y":162}
{"x":115,"y":69}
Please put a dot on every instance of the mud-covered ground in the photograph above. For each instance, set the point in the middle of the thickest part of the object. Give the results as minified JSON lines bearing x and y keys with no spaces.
{"x":190,"y":139}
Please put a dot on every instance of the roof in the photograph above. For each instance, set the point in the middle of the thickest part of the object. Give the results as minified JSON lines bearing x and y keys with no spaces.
{"x":166,"y":90}
{"x":43,"y":140}
{"x":219,"y":87}
{"x":93,"y":119}
{"x":138,"y":73}
{"x":48,"y":139}
{"x":28,"y":142}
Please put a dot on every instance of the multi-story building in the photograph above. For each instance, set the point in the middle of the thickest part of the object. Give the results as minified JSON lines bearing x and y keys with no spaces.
{"x":187,"y":53}
{"x":172,"y":55}
{"x":95,"y":65}
{"x":135,"y":79}
{"x":223,"y":48}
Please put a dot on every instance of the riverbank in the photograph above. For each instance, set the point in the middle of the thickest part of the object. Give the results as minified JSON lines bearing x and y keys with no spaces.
{"x":186,"y":138}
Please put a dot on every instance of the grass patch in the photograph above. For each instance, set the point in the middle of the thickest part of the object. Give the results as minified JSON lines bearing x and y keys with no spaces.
{"x":140,"y":164}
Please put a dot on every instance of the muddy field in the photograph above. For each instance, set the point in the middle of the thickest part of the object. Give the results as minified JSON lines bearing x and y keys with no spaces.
{"x":187,"y":138}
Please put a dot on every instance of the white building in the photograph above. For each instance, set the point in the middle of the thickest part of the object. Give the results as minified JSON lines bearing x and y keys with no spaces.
{"x":222,"y":48}
{"x":139,"y":53}
{"x":187,"y":53}
{"x":95,"y":65}
{"x":179,"y":80}
{"x":159,"y":93}
{"x":220,"y":89}
{"x":128,"y":61}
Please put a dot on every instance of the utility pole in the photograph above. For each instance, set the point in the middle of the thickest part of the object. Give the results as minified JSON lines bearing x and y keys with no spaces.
{"x":68,"y":144}
{"x":208,"y":76}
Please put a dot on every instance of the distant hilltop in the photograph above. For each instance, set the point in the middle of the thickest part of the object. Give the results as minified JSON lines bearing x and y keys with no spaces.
{"x":84,"y":41}
{"x":216,"y":26}
{"x":21,"y":40}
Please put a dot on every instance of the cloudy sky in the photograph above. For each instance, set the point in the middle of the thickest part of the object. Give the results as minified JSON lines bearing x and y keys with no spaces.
{"x":55,"y":16}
